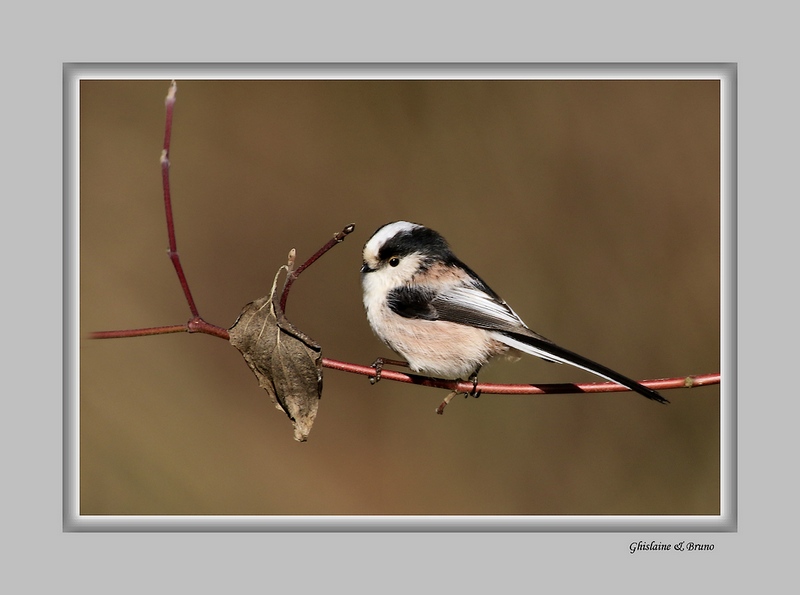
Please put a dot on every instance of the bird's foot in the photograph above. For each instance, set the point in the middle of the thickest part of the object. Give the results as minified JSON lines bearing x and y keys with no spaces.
{"x":378,"y":365}
{"x":474,"y":392}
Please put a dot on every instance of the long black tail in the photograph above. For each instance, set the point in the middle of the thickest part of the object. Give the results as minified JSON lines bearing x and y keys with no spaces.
{"x":546,"y":349}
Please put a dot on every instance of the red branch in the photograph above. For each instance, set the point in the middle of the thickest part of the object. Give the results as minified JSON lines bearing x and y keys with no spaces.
{"x":173,"y":246}
{"x":197,"y":325}
{"x":520,"y":389}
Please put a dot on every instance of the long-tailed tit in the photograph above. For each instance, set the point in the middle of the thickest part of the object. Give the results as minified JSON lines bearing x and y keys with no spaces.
{"x":433,"y":310}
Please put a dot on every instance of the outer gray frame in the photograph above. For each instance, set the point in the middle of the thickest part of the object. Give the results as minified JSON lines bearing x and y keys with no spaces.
{"x":726,"y":73}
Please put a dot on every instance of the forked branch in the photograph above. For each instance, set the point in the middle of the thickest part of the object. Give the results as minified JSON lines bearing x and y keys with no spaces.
{"x":197,"y":325}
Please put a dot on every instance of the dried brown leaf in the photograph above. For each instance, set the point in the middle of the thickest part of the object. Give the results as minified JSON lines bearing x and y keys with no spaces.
{"x":286,"y":362}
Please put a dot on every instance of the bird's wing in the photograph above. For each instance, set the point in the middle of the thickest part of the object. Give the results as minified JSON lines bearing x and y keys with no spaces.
{"x":474,"y":304}
{"x":471,"y":303}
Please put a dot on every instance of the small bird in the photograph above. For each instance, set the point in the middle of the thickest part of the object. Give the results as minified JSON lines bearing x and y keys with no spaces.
{"x":433,"y":310}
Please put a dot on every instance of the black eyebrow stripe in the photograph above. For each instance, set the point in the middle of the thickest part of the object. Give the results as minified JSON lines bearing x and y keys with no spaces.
{"x":409,"y":242}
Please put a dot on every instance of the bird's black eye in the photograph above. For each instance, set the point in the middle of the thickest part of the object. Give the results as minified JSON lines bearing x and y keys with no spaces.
{"x":394,"y":261}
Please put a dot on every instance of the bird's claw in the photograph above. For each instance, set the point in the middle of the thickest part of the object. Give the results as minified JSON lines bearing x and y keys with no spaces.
{"x":474,"y":392}
{"x":378,"y":366}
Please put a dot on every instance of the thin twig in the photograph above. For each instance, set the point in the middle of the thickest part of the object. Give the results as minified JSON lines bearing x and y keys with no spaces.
{"x":293,"y":274}
{"x":139,"y":332}
{"x":464,"y":386}
{"x":195,"y":325}
{"x":461,"y":386}
{"x":173,"y":246}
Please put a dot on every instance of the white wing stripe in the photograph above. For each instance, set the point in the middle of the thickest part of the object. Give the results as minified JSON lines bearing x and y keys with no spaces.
{"x":475,"y":299}
{"x":545,"y":354}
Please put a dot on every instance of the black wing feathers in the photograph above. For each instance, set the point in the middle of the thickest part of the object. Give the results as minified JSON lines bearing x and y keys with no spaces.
{"x":567,"y":356}
{"x":477,"y":305}
{"x":412,"y":302}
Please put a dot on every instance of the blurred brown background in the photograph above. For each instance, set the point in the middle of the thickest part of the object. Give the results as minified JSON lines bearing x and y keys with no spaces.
{"x":592,"y":207}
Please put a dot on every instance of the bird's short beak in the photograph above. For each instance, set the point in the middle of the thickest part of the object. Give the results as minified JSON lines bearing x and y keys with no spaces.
{"x":365,"y":269}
